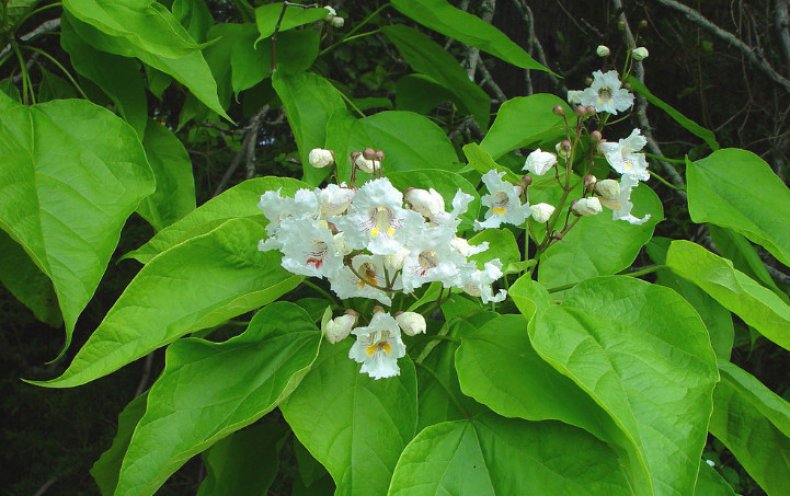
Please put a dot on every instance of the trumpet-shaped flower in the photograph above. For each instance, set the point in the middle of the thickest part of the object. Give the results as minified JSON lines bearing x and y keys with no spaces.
{"x":431,"y":258}
{"x":276,"y":209}
{"x":378,"y":347}
{"x":624,"y":156}
{"x":605,"y":94}
{"x":478,"y":283}
{"x":309,"y":248}
{"x":502,"y":200}
{"x":621,"y":205}
{"x":365,"y":278}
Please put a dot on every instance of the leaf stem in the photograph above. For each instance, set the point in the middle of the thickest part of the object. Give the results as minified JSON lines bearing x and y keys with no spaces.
{"x":59,"y":66}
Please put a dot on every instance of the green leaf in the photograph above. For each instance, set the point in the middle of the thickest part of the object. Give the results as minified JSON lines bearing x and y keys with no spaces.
{"x":598,"y":245}
{"x":175,"y":186}
{"x":501,"y":244}
{"x":419,"y":93}
{"x":446,"y":183}
{"x":72,"y":172}
{"x":701,"y":132}
{"x":754,"y":423}
{"x":266,"y":17}
{"x":123,"y":84}
{"x":106,"y":469}
{"x":209,"y":390}
{"x":12,"y":11}
{"x":481,"y":161}
{"x":524,"y":121}
{"x":368,"y":422}
{"x":309,"y":102}
{"x":653,"y":375}
{"x":710,"y":483}
{"x":237,"y":202}
{"x":489,"y":455}
{"x":53,"y":87}
{"x":27,"y":283}
{"x":737,"y":190}
{"x":411,"y":142}
{"x":426,"y":56}
{"x":197,"y":284}
{"x":195,"y":16}
{"x":244,"y":463}
{"x":443,"y":18}
{"x":189,"y":68}
{"x":756,"y":305}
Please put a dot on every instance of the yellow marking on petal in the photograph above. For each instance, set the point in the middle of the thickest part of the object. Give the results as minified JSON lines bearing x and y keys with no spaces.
{"x":498,"y":210}
{"x":375,"y":231}
{"x":390,"y":231}
{"x":629,"y":165}
{"x":381,"y":346}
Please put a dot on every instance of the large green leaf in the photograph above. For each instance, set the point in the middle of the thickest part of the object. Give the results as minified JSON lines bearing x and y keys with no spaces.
{"x":758,"y":306}
{"x":501,"y":244}
{"x":244,"y":463}
{"x":426,"y":56}
{"x":309,"y":102}
{"x":209,"y":390}
{"x":442,"y":17}
{"x":118,"y":77}
{"x":366,"y":425}
{"x":27,"y":283}
{"x":643,"y":354}
{"x":523,"y":121}
{"x":175,"y":185}
{"x":239,"y":201}
{"x":266,"y":17}
{"x":195,"y":16}
{"x":12,"y":11}
{"x":410,"y":141}
{"x":489,"y":455}
{"x":599,"y":245}
{"x":736,"y":189}
{"x":701,"y":132}
{"x":754,"y":423}
{"x":189,"y":68}
{"x":419,"y":93}
{"x":197,"y":284}
{"x":481,"y":161}
{"x":71,"y":173}
{"x":710,"y":483}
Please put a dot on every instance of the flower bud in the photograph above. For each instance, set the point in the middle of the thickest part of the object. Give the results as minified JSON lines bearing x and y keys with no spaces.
{"x":541,"y":212}
{"x":366,"y":165}
{"x":602,"y":51}
{"x":561,"y":150}
{"x":558,"y":110}
{"x":337,"y":22}
{"x":394,"y":263}
{"x":596,"y":136}
{"x":621,"y":25}
{"x":334,"y":199}
{"x":540,"y":162}
{"x":640,"y":53}
{"x":462,"y":246}
{"x":642,"y":24}
{"x":525,"y":182}
{"x":369,"y":153}
{"x":608,"y":189}
{"x":427,"y":203}
{"x":580,"y":110}
{"x":589,"y":183}
{"x":590,"y":110}
{"x":320,"y":158}
{"x":339,"y":328}
{"x":586,"y":207}
{"x":330,"y":13}
{"x":411,"y":323}
{"x":588,"y":81}
{"x":519,"y":189}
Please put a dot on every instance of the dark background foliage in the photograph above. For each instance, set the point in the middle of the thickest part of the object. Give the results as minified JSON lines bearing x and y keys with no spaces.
{"x":50,"y":438}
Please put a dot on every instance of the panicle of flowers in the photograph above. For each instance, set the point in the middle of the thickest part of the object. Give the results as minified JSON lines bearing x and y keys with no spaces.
{"x":375,"y":241}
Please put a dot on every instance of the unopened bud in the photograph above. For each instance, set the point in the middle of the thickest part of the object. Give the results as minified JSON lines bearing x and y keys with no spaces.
{"x":330,"y":13}
{"x":596,"y":136}
{"x":580,"y":110}
{"x":320,"y":158}
{"x":518,"y":189}
{"x":378,"y":309}
{"x":369,"y":153}
{"x":526,"y":181}
{"x":411,"y":323}
{"x":428,"y":203}
{"x":394,"y":263}
{"x":337,"y":22}
{"x":561,"y":151}
{"x":541,"y":212}
{"x":586,"y":207}
{"x":588,"y":81}
{"x":539,"y":162}
{"x":642,"y":24}
{"x":558,"y":236}
{"x":558,"y":110}
{"x":339,"y":328}
{"x":589,"y":183}
{"x":379,"y":155}
{"x":366,"y":165}
{"x":589,"y":110}
{"x":621,"y":25}
{"x":608,"y":189}
{"x":640,"y":53}
{"x":602,"y":51}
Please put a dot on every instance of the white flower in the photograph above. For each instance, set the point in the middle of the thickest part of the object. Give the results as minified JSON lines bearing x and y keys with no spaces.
{"x":330,"y":13}
{"x":431,"y":258}
{"x":374,"y":218}
{"x":450,"y":219}
{"x":338,"y":22}
{"x":505,"y":207}
{"x":428,"y":203}
{"x":334,"y":199}
{"x":621,"y":205}
{"x":605,"y":94}
{"x":477,"y":283}
{"x":378,"y":347}
{"x":320,"y":158}
{"x":586,"y":207}
{"x":602,"y":51}
{"x":339,"y":328}
{"x":309,"y":248}
{"x":370,"y":277}
{"x":640,"y":53}
{"x":411,"y":323}
{"x":540,"y":162}
{"x":623,"y":156}
{"x":462,"y":246}
{"x":276,"y":208}
{"x":608,"y":190}
{"x":541,"y":212}
{"x":365,"y":165}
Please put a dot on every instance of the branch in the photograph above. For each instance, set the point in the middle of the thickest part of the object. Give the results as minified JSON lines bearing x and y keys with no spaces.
{"x":488,"y":80}
{"x":750,"y":53}
{"x":473,"y":56}
{"x":247,"y":149}
{"x":782,"y":20}
{"x":534,"y":43}
{"x":44,"y":27}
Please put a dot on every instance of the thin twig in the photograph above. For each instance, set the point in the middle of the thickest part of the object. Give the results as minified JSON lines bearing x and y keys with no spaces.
{"x":44,"y":27}
{"x":487,"y":8}
{"x":247,"y":149}
{"x":488,"y":80}
{"x":534,"y":42}
{"x":149,"y":361}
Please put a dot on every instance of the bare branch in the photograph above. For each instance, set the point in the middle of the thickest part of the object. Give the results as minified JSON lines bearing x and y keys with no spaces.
{"x":473,"y":55}
{"x":247,"y":150}
{"x":535,"y":44}
{"x":782,"y":20}
{"x":44,"y":27}
{"x":488,"y":80}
